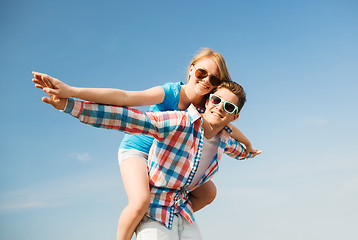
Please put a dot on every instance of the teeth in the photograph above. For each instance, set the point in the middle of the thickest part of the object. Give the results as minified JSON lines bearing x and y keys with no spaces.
{"x":203,"y":86}
{"x":216,"y":114}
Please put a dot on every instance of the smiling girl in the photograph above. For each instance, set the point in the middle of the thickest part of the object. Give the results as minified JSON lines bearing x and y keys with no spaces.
{"x":206,"y":71}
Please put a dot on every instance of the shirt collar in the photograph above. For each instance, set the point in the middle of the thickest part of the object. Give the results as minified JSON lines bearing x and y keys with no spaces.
{"x":194,"y":112}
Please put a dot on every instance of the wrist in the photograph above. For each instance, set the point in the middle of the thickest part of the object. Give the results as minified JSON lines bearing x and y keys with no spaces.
{"x":74,"y":92}
{"x":62,"y":105}
{"x":248,"y":147}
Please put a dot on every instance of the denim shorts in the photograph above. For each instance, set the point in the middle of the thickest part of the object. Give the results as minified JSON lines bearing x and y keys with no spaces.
{"x":124,"y":154}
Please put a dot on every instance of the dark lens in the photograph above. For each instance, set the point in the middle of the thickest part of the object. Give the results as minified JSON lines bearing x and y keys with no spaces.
{"x":215,"y":100}
{"x":215,"y":81}
{"x":201,"y":73}
{"x":229,"y":107}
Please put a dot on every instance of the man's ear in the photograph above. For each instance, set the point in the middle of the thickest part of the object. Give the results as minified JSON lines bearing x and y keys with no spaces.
{"x":236,"y":116}
{"x":206,"y":103}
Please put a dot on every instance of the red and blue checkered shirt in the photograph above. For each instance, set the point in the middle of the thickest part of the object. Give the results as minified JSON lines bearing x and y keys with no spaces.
{"x":174,"y":156}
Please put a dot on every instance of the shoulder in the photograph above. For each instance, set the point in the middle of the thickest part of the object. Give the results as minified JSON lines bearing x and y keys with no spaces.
{"x":172,"y":87}
{"x":171,"y":96}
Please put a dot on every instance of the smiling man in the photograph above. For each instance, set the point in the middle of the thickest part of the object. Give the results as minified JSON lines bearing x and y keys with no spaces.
{"x":185,"y":154}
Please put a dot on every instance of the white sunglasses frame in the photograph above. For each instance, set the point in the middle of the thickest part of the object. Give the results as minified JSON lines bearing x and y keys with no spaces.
{"x":236,"y":109}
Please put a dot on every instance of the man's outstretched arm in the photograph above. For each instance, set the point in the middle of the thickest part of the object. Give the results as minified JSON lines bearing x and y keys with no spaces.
{"x":124,"y":119}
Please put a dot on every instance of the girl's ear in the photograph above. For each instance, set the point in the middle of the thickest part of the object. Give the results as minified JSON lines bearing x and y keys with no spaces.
{"x":190,"y":70}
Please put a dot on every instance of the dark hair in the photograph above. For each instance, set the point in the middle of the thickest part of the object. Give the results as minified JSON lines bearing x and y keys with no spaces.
{"x":236,"y":89}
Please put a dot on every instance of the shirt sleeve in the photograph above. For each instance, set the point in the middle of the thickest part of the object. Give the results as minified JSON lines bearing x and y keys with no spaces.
{"x":235,"y":149}
{"x":171,"y":97}
{"x":129,"y":120}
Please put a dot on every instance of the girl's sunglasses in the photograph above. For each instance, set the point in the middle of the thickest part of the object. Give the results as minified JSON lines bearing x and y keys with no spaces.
{"x":202,"y":73}
{"x":228,"y":106}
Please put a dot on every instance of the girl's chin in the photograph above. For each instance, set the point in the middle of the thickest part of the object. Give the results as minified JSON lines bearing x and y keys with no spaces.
{"x":201,"y":90}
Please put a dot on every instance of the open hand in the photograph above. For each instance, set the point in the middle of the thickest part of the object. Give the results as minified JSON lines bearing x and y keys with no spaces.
{"x":255,"y":152}
{"x":54,"y":87}
{"x":59,"y":104}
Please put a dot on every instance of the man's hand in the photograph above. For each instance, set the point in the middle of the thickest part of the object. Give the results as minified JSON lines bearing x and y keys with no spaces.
{"x":254,"y":152}
{"x":59,"y":104}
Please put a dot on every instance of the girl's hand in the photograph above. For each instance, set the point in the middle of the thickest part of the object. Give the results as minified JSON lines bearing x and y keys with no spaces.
{"x":54,"y":87}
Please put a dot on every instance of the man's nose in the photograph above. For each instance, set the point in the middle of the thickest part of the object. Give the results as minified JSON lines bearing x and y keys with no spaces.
{"x":220,"y":106}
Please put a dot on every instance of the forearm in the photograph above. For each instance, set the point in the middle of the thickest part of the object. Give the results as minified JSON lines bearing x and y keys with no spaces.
{"x":236,"y":150}
{"x":108,"y":96}
{"x":118,"y":97}
{"x":239,"y":136}
{"x":112,"y":117}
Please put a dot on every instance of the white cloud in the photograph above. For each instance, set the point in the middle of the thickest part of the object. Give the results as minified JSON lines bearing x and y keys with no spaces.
{"x":20,"y":205}
{"x":322,"y":208}
{"x":83,"y":157}
{"x":316,"y":121}
{"x":61,"y":191}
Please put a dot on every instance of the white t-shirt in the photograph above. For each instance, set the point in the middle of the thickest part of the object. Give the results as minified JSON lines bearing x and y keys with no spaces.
{"x":210,"y":148}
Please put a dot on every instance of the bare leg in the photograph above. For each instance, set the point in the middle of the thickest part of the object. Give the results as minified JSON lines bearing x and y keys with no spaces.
{"x":136,"y":183}
{"x":203,"y":195}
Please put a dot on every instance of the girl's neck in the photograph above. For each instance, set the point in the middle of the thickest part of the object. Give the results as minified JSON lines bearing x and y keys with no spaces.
{"x":187,"y":96}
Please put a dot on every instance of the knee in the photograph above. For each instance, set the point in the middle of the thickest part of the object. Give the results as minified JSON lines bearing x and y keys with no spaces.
{"x":140,"y":203}
{"x":205,"y":194}
{"x":211,"y":194}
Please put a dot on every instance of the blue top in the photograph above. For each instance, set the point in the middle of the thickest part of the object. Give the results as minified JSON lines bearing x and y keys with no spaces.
{"x":170,"y":103}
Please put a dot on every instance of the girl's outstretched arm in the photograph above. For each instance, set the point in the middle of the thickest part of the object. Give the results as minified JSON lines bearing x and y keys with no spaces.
{"x":107,"y":96}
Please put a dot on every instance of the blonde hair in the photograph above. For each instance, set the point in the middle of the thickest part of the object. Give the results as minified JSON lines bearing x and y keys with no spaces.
{"x":218,"y":59}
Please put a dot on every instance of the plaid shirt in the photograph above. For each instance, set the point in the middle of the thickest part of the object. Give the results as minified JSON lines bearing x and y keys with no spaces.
{"x":174,"y":156}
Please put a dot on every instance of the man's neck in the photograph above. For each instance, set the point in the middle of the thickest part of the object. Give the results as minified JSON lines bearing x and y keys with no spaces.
{"x":209,"y":130}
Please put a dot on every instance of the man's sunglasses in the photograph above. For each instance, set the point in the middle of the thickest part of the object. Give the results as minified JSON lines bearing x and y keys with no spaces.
{"x":228,"y":106}
{"x":202,"y":73}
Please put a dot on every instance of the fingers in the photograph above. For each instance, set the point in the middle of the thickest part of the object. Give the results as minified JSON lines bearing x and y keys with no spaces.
{"x":254,"y":153}
{"x":35,"y":80}
{"x":39,"y":81}
{"x":257,"y":152}
{"x":36,"y":74}
{"x":49,"y":101}
{"x":45,"y":85}
{"x":38,"y":77}
{"x":58,"y":104}
{"x":47,"y":82}
{"x":45,"y":79}
{"x":50,"y":90}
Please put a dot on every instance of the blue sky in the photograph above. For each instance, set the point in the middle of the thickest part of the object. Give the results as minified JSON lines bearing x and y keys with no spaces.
{"x":298,"y":61}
